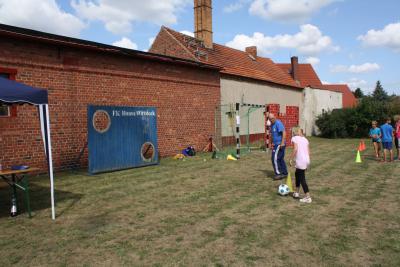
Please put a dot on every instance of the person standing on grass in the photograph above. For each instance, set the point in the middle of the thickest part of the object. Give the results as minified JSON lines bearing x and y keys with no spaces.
{"x":397,"y":135}
{"x":387,"y":140}
{"x":301,"y":154}
{"x":376,"y":135}
{"x":278,"y":141}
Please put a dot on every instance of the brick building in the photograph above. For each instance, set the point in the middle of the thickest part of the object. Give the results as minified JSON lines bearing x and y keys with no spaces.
{"x":306,"y":75}
{"x":246,"y":77}
{"x":318,"y":97}
{"x":79,"y":73}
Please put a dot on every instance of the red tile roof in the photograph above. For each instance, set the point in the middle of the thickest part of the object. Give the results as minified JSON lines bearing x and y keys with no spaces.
{"x":236,"y":62}
{"x":349,"y":100}
{"x":306,"y":74}
{"x":239,"y":63}
{"x":43,"y":37}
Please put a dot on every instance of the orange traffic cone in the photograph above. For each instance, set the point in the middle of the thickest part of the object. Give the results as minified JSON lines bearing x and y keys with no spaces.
{"x":363,"y":145}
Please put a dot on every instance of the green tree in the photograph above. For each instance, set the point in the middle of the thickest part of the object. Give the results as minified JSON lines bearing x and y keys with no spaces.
{"x":355,"y":122}
{"x":379,"y":93}
{"x":358,"y":93}
{"x":394,"y":105}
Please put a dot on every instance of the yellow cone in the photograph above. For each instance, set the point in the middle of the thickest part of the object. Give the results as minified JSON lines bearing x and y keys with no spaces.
{"x":179,"y":156}
{"x":230,"y":157}
{"x":358,"y":158}
{"x":289,"y":182}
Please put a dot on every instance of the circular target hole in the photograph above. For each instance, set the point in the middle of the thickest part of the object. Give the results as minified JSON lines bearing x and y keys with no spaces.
{"x":148,"y":152}
{"x":101,"y":121}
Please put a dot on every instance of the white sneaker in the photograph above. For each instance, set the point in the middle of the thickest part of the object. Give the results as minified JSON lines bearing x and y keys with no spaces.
{"x":296,"y":195}
{"x":306,"y":200}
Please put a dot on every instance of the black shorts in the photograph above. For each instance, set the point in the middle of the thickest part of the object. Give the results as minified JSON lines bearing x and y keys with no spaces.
{"x":396,"y":142}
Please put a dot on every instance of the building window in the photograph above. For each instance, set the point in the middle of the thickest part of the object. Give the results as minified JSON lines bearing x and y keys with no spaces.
{"x":5,"y":110}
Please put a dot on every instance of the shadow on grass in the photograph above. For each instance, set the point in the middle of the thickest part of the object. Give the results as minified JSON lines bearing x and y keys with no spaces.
{"x":267,"y":173}
{"x":39,"y":199}
{"x":370,"y":157}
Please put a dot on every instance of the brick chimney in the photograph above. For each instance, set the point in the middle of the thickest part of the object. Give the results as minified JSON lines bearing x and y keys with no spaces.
{"x":252,"y":50}
{"x":203,"y":22}
{"x":295,"y":68}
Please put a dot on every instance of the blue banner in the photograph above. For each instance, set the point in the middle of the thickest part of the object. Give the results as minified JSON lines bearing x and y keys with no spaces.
{"x":121,"y":138}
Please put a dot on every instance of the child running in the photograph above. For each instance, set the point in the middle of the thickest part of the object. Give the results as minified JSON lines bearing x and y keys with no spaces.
{"x":376,"y":134}
{"x":301,"y":153}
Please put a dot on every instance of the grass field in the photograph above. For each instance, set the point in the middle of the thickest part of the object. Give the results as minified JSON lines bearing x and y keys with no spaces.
{"x":213,"y":213}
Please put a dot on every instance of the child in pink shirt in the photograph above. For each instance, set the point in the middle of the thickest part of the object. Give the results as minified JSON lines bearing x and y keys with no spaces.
{"x":397,"y":135}
{"x":301,"y":153}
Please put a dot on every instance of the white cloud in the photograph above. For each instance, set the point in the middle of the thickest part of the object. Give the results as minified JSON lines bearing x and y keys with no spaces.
{"x":363,"y":68}
{"x":325,"y":82}
{"x":118,"y":16}
{"x":44,"y":15}
{"x":126,"y":43}
{"x":189,"y":33}
{"x":389,"y":37}
{"x":287,"y":10}
{"x":236,"y":6}
{"x":354,"y":83}
{"x":313,"y":60}
{"x":309,"y":41}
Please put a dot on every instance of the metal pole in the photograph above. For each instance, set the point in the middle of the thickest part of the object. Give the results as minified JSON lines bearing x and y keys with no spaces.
{"x":237,"y":130}
{"x":248,"y":129}
{"x":267,"y":130}
{"x":53,"y":209}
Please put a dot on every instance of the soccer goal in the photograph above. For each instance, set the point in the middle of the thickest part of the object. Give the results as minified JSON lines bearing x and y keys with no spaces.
{"x":240,"y":126}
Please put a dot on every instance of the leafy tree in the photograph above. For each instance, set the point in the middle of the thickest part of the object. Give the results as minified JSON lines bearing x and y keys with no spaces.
{"x":356,"y":122}
{"x":379,"y":93}
{"x":394,"y":105}
{"x":358,"y":93}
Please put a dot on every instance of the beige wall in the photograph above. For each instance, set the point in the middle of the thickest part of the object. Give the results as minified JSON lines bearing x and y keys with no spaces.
{"x":258,"y":93}
{"x":315,"y":102}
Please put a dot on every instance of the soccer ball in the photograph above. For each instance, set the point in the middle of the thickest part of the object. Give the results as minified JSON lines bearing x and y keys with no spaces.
{"x":283,"y":190}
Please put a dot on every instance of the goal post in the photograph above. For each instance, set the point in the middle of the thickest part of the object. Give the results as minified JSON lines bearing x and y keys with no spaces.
{"x":238,"y":126}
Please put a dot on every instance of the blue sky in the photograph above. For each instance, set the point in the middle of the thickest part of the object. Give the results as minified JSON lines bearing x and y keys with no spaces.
{"x":348,"y":41}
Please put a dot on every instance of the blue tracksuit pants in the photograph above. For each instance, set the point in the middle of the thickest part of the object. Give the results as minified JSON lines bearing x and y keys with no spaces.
{"x":278,"y":160}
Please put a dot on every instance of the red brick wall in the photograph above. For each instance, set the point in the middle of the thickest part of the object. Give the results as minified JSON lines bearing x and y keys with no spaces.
{"x":231,"y":140}
{"x":290,"y":118}
{"x":185,"y":97}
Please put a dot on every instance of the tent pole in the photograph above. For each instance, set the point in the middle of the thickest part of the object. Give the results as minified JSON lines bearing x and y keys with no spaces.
{"x":53,"y":211}
{"x":45,"y":123}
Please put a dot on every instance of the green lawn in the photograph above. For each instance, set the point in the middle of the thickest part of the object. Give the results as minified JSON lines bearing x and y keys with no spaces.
{"x":213,"y":213}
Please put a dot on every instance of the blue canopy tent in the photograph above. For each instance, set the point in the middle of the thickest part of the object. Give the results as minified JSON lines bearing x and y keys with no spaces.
{"x":12,"y":92}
